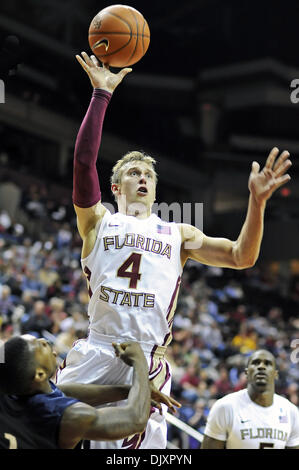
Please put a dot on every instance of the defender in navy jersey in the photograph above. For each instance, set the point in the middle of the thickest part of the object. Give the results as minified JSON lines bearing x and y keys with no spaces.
{"x":133,"y":260}
{"x":35,"y":414}
{"x":32,"y":422}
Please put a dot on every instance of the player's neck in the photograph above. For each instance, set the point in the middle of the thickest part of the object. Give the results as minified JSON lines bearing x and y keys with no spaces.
{"x":136,"y":213}
{"x":140,"y":210}
{"x":264,"y":398}
{"x":44,"y":387}
{"x":141,"y":216}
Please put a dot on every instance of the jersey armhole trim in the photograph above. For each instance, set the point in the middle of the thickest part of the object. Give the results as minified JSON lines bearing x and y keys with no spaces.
{"x":180,"y":238}
{"x":98,"y":228}
{"x":214,"y":436}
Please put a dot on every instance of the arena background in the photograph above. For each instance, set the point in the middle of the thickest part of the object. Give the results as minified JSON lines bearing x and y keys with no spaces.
{"x":211,"y":95}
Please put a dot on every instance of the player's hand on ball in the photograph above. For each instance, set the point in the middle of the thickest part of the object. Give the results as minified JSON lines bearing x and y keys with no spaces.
{"x":100,"y":76}
{"x":262,"y":184}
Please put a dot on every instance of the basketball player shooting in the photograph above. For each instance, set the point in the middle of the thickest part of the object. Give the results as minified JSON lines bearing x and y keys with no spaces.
{"x":133,"y":260}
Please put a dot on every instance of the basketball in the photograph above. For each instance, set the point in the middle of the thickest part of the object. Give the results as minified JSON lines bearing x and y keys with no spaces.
{"x":119,"y":36}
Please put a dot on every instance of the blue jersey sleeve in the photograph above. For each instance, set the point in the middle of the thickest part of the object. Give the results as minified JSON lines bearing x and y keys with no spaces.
{"x":34,"y":421}
{"x":47,"y":411}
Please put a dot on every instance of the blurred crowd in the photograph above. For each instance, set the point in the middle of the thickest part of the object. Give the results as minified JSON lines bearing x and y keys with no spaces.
{"x":42,"y":287}
{"x":222,"y":315}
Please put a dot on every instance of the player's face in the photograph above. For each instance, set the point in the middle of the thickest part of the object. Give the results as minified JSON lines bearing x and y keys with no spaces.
{"x":44,"y":354}
{"x":261,"y":370}
{"x":138,"y":186}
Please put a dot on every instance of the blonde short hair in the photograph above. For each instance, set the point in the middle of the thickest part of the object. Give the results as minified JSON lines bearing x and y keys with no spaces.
{"x":135,"y":155}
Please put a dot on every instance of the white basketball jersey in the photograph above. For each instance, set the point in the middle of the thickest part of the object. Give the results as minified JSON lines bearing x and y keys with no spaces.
{"x":134,"y":273}
{"x":243,"y":424}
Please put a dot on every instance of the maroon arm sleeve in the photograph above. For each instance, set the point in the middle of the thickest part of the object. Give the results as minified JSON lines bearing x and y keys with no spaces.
{"x":86,"y":186}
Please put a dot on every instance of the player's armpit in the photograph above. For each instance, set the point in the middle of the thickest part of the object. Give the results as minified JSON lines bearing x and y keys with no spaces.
{"x":87,"y":220}
{"x":207,"y":250}
{"x":211,"y":443}
{"x":88,"y":217}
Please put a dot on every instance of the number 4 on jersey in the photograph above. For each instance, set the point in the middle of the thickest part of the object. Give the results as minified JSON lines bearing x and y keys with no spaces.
{"x":133,"y":274}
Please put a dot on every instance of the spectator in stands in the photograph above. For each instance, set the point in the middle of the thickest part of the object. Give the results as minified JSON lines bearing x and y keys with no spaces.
{"x":241,"y":383}
{"x":49,"y":276}
{"x":64,"y":236}
{"x":32,"y":283}
{"x":57,"y":313}
{"x":5,"y":221}
{"x":245,"y":340}
{"x":223,"y":383}
{"x":34,"y":206}
{"x":292,"y":393}
{"x":190,"y":382}
{"x":198,"y":419}
{"x":66,"y":339}
{"x":37,"y":321}
{"x":6,"y":302}
{"x":27,"y":301}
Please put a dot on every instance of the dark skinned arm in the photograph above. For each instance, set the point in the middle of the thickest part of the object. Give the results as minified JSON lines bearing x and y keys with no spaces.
{"x":211,"y":443}
{"x":81,"y":421}
{"x":95,"y":395}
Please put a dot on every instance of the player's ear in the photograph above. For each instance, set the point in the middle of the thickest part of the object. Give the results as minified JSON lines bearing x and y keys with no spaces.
{"x":115,"y":188}
{"x":40,"y":375}
{"x":246,"y":371}
{"x":276,"y":374}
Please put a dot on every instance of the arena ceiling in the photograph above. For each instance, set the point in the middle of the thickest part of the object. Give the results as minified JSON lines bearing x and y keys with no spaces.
{"x":234,"y":58}
{"x":185,"y":36}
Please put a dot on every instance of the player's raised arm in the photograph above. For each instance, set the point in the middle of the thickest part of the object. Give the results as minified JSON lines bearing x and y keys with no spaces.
{"x":86,"y":187}
{"x":243,"y":252}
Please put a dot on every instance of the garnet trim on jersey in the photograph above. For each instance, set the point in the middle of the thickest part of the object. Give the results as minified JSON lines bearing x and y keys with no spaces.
{"x":88,"y":275}
{"x":170,"y":311}
{"x":134,"y":442}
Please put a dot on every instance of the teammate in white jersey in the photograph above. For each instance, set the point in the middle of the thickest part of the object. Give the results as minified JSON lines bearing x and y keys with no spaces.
{"x":255,"y":417}
{"x":133,"y":260}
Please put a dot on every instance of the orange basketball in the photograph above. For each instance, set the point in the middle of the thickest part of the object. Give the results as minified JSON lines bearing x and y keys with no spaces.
{"x":119,"y":36}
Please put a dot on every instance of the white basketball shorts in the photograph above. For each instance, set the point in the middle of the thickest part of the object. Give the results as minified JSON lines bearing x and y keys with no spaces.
{"x":93,"y":361}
